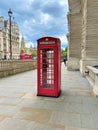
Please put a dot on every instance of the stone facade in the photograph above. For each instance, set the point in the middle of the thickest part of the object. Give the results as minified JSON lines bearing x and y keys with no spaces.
{"x":92,"y":77}
{"x":16,"y":66}
{"x":74,"y":37}
{"x":23,"y":47}
{"x":89,"y":34}
{"x":5,"y":40}
{"x":26,"y":50}
{"x":83,"y":34}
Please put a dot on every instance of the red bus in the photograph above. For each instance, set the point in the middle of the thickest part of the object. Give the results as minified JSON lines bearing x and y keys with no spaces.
{"x":25,"y":56}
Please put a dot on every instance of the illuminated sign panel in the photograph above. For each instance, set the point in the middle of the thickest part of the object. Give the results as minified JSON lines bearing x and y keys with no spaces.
{"x":48,"y":42}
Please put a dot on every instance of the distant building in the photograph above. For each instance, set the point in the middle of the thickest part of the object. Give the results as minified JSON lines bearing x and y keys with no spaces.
{"x":24,"y":49}
{"x":23,"y":46}
{"x":5,"y":40}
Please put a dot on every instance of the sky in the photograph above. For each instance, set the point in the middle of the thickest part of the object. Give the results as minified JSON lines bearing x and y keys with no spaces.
{"x":38,"y":18}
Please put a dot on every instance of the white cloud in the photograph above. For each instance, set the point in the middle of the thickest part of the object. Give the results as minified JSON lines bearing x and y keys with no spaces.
{"x":64,"y":2}
{"x":63,"y":39}
{"x":29,"y":44}
{"x":45,"y":18}
{"x":37,"y":18}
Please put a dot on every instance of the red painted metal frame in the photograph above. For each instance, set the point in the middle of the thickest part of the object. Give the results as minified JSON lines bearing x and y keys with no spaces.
{"x":48,"y":66}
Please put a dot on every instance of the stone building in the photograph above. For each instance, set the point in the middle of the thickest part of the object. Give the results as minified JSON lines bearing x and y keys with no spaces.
{"x":5,"y":40}
{"x":83,"y":34}
{"x":23,"y":46}
{"x":74,"y":37}
{"x":24,"y":49}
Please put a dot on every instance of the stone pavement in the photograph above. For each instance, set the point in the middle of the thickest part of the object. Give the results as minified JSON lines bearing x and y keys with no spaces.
{"x":21,"y":109}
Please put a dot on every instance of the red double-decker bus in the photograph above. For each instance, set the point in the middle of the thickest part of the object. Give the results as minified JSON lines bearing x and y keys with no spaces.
{"x":25,"y":56}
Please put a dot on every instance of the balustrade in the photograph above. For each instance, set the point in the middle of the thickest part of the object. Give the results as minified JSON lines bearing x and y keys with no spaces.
{"x":16,"y":66}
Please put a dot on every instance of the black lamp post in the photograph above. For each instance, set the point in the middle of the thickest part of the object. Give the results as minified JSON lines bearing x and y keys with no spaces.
{"x":10,"y":15}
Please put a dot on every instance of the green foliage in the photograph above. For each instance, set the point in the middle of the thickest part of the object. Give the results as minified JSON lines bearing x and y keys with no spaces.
{"x":64,"y":52}
{"x":34,"y":54}
{"x":66,"y":48}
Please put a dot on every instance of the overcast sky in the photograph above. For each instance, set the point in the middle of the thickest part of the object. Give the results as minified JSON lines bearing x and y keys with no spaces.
{"x":38,"y":18}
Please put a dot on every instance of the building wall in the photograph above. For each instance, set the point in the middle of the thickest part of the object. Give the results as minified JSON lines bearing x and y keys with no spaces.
{"x":75,"y":34}
{"x":83,"y":34}
{"x":1,"y":45}
{"x":92,"y":29}
{"x":5,"y":40}
{"x":16,"y":66}
{"x":89,"y":34}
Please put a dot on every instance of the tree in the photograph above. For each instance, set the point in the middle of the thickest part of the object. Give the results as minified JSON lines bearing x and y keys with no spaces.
{"x":64,"y":52}
{"x":34,"y":54}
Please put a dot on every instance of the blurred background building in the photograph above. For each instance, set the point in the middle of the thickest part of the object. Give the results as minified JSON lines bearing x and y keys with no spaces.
{"x":5,"y":39}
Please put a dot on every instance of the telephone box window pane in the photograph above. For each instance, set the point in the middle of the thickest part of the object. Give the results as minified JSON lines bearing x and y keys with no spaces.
{"x":47,"y":68}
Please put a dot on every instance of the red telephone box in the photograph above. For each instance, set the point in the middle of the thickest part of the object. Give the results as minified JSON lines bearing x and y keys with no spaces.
{"x":49,"y":66}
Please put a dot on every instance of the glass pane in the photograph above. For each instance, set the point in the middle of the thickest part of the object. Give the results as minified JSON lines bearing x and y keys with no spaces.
{"x":47,"y":68}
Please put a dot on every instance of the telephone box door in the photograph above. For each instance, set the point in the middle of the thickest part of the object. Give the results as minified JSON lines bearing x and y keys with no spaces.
{"x":48,"y":77}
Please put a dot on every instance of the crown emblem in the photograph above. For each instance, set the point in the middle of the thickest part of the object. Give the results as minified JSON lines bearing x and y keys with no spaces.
{"x":46,"y":39}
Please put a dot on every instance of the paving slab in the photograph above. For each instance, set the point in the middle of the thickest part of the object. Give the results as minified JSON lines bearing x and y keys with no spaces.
{"x":22,"y":109}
